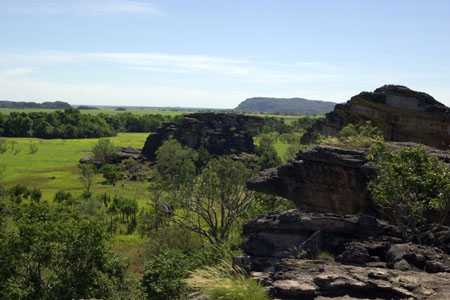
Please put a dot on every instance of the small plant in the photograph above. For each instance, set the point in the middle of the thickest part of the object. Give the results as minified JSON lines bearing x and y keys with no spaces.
{"x":225,"y":282}
{"x":33,"y":148}
{"x":104,"y":151}
{"x":3,"y":146}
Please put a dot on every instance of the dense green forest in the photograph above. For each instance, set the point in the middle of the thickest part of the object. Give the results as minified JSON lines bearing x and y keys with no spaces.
{"x":71,"y":123}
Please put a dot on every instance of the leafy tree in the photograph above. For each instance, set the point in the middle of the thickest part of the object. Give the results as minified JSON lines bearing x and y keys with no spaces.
{"x":164,"y":275}
{"x":176,"y":165}
{"x":51,"y":253}
{"x":87,"y":177}
{"x":268,"y":156}
{"x":411,"y":187}
{"x":111,"y":173}
{"x":217,"y":200}
{"x":104,"y":151}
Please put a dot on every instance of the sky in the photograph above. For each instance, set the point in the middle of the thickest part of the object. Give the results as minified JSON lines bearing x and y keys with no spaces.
{"x":206,"y":53}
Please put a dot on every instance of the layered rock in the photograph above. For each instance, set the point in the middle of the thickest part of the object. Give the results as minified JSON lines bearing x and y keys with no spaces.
{"x":300,"y":255}
{"x":402,"y":114}
{"x":326,"y":179}
{"x":218,"y":133}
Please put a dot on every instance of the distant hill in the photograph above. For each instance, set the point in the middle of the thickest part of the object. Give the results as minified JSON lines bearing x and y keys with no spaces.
{"x":46,"y":105}
{"x":293,"y":106}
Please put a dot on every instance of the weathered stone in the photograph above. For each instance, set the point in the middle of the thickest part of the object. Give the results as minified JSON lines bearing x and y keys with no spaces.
{"x":218,"y":133}
{"x":309,"y":279}
{"x":402,"y":114}
{"x":327,"y":179}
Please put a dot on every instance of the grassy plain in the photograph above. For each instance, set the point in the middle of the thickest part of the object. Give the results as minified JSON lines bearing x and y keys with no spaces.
{"x":54,"y":166}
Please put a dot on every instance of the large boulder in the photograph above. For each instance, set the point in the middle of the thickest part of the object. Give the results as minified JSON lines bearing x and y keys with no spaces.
{"x":402,"y":114}
{"x":219,"y":133}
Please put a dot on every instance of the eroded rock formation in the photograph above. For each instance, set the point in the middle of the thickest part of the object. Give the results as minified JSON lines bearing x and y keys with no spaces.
{"x":219,"y":133}
{"x":402,"y":114}
{"x":326,"y":179}
{"x":365,"y":258}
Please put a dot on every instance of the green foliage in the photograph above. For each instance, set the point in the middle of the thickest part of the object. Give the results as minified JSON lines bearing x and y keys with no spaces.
{"x":3,"y":146}
{"x":164,"y":275}
{"x":224,"y":282}
{"x":268,"y":156}
{"x":104,"y":151}
{"x":176,"y":164}
{"x":111,"y":173}
{"x":50,"y":253}
{"x":217,"y":200}
{"x":87,"y":177}
{"x":362,"y":135}
{"x":33,"y":148}
{"x":411,"y":187}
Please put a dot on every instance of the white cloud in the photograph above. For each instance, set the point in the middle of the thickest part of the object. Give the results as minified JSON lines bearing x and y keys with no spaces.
{"x":16,"y":72}
{"x":245,"y":69}
{"x":79,"y":7}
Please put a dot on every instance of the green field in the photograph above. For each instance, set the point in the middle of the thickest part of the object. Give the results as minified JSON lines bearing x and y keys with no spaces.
{"x":54,"y":166}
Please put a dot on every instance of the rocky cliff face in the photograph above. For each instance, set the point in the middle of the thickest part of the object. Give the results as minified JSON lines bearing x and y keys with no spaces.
{"x":403,"y":115}
{"x":329,"y":250}
{"x":217,"y":132}
{"x":326,"y":179}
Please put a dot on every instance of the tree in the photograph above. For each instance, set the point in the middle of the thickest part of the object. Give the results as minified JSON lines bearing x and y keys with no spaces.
{"x":51,"y":253}
{"x":87,"y":177}
{"x":111,"y":173}
{"x":268,"y":156}
{"x":104,"y":151}
{"x":217,"y":200}
{"x":176,"y":167}
{"x":411,"y":188}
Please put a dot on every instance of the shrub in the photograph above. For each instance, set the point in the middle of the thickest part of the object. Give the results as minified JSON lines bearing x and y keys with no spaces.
{"x":224,"y":282}
{"x":111,"y":173}
{"x":164,"y":275}
{"x":411,"y":187}
{"x":104,"y":151}
{"x":362,"y":135}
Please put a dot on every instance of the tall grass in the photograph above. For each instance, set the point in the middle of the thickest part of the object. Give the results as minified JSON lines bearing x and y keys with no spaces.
{"x":225,"y":282}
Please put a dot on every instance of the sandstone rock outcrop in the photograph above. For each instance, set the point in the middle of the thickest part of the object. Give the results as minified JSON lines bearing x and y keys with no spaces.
{"x":366,"y":258}
{"x":402,"y":114}
{"x":219,"y":133}
{"x":326,"y":179}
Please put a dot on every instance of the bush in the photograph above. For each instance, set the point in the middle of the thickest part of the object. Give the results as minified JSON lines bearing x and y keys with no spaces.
{"x":223,"y":282}
{"x":362,"y":135}
{"x":104,"y":151}
{"x":164,"y":275}
{"x":411,"y":188}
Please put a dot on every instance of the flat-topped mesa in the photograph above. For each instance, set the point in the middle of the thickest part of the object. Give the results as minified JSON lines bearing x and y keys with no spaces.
{"x":402,"y":114}
{"x":327,"y":179}
{"x":219,"y":133}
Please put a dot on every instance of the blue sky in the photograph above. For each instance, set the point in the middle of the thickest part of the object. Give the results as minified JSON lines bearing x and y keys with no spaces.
{"x":217,"y":53}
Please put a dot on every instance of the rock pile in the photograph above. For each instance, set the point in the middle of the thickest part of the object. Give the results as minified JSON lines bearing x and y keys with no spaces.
{"x":300,"y":255}
{"x":403,"y":115}
{"x":219,"y":133}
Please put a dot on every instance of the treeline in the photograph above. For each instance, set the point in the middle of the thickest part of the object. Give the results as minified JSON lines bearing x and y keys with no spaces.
{"x":44,"y":105}
{"x":70,"y":123}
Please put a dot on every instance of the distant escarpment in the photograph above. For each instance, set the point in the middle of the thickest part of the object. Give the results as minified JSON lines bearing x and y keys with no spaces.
{"x":43,"y":105}
{"x":402,"y":114}
{"x":293,"y":106}
{"x":218,"y":133}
